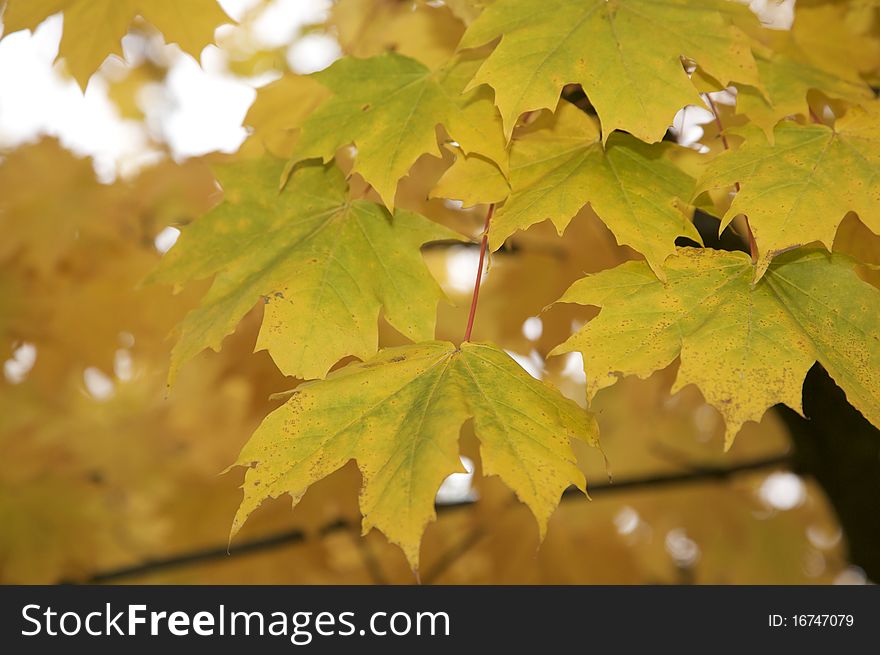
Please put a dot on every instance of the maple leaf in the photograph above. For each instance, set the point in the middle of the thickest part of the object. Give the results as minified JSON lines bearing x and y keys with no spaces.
{"x":798,"y":189}
{"x":399,"y":415}
{"x":828,"y":39}
{"x":787,"y":78}
{"x":73,"y":247}
{"x":747,"y":347}
{"x":467,"y":10}
{"x":324,"y":264}
{"x":858,"y":242}
{"x":419,"y":30}
{"x":473,"y":181}
{"x":558,"y":165}
{"x":389,"y":107}
{"x":280,"y":109}
{"x":626,"y":54}
{"x":817,"y":54}
{"x":93,"y":29}
{"x":42,"y":227}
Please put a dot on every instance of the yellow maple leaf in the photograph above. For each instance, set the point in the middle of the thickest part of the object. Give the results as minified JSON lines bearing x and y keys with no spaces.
{"x":399,"y":415}
{"x":93,"y":29}
{"x":559,"y":165}
{"x":798,"y":189}
{"x":746,"y":347}
{"x":625,"y":53}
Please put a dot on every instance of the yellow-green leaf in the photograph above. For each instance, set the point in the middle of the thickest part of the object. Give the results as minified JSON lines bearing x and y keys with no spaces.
{"x":427,"y":32}
{"x":467,"y":10}
{"x":825,"y":37}
{"x":473,"y":181}
{"x":324,"y":264}
{"x":797,"y":190}
{"x":389,"y":107}
{"x":398,"y":415}
{"x":787,"y":79}
{"x":558,"y":165}
{"x":626,"y":54}
{"x":746,"y":347}
{"x":93,"y":29}
{"x":281,"y":108}
{"x":39,"y":228}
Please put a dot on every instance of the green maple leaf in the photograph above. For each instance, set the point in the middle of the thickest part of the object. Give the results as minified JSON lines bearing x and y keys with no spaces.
{"x":798,"y":189}
{"x":389,"y":107}
{"x":399,"y":415}
{"x":747,"y":347}
{"x":626,"y":54}
{"x":558,"y":165}
{"x":324,"y":264}
{"x":93,"y":29}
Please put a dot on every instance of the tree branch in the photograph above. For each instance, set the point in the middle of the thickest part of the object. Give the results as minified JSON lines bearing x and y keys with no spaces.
{"x":696,"y":475}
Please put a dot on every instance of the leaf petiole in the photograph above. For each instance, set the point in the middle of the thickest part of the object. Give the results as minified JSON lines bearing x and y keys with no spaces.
{"x":483,"y":247}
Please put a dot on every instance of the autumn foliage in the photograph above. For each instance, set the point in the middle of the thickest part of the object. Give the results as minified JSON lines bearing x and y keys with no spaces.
{"x":673,"y":292}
